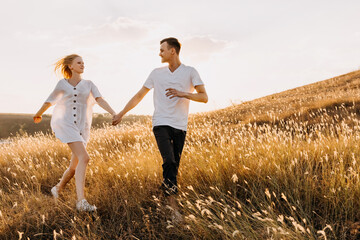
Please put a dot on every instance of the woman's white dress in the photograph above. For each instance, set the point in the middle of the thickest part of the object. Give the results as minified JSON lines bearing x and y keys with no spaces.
{"x":72,"y":115}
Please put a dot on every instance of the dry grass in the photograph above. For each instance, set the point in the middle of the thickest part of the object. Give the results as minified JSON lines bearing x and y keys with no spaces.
{"x":261,"y":170}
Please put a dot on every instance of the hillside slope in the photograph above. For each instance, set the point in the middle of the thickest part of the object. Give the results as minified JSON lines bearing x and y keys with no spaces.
{"x":330,"y":93}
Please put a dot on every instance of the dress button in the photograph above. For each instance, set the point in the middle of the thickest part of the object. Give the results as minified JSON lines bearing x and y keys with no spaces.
{"x":74,"y":88}
{"x":80,"y":134}
{"x":74,"y":108}
{"x":74,"y":115}
{"x":74,"y":121}
{"x":74,"y":101}
{"x":75,"y":95}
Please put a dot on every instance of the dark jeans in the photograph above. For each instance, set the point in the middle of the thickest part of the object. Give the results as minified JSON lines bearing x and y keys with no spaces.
{"x":170,"y":142}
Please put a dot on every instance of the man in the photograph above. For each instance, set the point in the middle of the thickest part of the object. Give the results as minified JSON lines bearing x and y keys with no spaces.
{"x":173,"y":89}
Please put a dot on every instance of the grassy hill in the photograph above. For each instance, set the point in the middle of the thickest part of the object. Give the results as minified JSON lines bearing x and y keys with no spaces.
{"x":303,"y":101}
{"x":12,"y":124}
{"x":19,"y":124}
{"x":285,"y":166}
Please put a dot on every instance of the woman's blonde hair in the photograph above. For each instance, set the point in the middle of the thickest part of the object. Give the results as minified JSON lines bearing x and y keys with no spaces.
{"x":63,"y":65}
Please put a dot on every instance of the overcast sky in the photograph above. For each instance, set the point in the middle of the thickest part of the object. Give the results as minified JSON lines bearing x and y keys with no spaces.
{"x":242,"y":49}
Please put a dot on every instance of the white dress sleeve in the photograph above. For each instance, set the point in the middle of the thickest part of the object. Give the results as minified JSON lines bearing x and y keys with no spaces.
{"x":95,"y":91}
{"x":55,"y":95}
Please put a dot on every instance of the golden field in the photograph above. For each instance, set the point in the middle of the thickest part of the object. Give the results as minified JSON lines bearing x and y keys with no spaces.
{"x":285,"y":166}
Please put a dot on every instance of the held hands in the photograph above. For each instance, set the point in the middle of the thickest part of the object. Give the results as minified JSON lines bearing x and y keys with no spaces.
{"x":172,"y":92}
{"x":117,"y":119}
{"x":37,"y":118}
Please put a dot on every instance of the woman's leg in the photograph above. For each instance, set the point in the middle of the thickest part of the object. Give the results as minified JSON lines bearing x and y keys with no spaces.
{"x":79,"y":151}
{"x":68,"y":174}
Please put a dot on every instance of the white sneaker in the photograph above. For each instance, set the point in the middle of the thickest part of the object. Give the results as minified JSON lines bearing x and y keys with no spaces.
{"x":84,"y":206}
{"x":55,"y":193}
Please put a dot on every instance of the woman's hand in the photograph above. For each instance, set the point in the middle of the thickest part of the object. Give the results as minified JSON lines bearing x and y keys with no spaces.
{"x":37,"y":118}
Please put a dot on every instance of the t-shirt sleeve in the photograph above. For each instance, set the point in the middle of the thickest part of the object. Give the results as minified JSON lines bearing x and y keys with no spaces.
{"x":149,"y":83}
{"x":195,"y":78}
{"x":55,"y":95}
{"x":95,"y":91}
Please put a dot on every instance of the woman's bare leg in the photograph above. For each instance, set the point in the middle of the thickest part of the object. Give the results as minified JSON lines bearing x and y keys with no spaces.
{"x":68,"y":174}
{"x":79,"y":151}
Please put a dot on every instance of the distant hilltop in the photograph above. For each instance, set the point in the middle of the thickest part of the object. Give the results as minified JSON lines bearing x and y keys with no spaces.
{"x":12,"y":124}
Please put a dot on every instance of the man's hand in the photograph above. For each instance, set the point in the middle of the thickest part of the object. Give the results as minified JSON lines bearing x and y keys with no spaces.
{"x":199,"y":96}
{"x":117,"y":119}
{"x":37,"y":118}
{"x":171,"y":93}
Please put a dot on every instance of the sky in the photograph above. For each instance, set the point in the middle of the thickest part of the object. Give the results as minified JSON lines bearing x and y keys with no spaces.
{"x":242,"y":49}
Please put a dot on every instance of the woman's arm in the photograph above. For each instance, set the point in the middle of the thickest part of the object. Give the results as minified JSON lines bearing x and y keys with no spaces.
{"x":38,"y":116}
{"x":50,"y":101}
{"x":105,"y":105}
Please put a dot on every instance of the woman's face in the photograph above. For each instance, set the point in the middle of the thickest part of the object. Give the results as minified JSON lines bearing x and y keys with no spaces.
{"x":77,"y":65}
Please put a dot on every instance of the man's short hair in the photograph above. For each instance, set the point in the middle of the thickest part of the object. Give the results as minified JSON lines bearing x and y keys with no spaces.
{"x":173,"y":43}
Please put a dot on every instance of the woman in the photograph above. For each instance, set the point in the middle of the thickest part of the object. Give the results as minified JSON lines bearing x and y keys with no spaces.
{"x":71,"y":121}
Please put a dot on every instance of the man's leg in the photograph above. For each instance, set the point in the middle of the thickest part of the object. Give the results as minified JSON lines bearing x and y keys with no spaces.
{"x":178,"y":143}
{"x":178,"y":137}
{"x":170,"y":143}
{"x":164,"y":140}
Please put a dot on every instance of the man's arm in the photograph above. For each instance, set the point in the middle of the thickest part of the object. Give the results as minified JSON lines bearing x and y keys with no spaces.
{"x":199,"y":96}
{"x":131,"y":104}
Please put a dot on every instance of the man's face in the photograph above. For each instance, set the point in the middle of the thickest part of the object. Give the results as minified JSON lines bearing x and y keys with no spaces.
{"x":165,"y":52}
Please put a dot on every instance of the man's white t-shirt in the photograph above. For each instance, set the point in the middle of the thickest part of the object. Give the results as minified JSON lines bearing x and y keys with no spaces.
{"x":172,"y":112}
